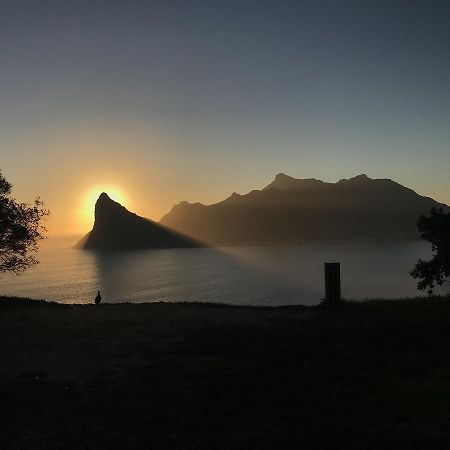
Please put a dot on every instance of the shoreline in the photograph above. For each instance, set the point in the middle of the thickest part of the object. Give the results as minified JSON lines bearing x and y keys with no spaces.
{"x":8,"y":300}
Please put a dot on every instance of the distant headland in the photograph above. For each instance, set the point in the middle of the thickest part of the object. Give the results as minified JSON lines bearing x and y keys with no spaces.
{"x":286,"y":211}
{"x":116,"y":228}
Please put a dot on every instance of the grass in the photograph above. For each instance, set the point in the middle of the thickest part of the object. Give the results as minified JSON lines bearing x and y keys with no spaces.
{"x":370,"y":375}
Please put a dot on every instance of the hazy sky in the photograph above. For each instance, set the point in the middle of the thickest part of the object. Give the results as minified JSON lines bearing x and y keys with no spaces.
{"x":192,"y":100}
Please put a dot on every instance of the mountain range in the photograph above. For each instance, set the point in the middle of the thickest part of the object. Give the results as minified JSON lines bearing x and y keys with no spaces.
{"x":290,"y":210}
{"x":286,"y":211}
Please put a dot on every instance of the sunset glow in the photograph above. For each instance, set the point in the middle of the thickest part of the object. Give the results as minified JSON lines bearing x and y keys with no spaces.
{"x":193,"y":113}
{"x":86,"y":212}
{"x":224,"y":224}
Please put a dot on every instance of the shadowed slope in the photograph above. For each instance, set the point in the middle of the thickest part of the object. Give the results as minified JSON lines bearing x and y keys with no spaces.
{"x":291,"y":210}
{"x":116,"y":228}
{"x":212,"y":377}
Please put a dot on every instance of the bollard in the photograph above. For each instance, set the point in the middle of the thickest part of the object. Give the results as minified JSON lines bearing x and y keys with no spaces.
{"x":332,"y":283}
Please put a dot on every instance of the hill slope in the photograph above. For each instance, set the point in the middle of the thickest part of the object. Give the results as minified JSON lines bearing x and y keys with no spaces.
{"x":291,"y":210}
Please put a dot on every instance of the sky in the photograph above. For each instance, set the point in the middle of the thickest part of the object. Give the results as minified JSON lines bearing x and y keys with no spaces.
{"x":163,"y":101}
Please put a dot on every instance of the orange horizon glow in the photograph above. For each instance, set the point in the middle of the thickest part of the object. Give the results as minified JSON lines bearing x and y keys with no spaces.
{"x":85,"y":213}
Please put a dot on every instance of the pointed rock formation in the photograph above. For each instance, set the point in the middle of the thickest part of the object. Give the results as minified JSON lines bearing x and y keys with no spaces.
{"x":116,"y":228}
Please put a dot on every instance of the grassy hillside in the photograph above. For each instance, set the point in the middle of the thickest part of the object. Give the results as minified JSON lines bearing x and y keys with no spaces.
{"x":374,"y":375}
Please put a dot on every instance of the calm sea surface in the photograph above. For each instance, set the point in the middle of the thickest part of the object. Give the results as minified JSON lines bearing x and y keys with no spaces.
{"x":243,"y":275}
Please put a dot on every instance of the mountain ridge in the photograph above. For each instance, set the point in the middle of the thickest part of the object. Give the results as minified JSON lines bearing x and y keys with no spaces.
{"x":290,"y":210}
{"x":286,"y":211}
{"x":309,"y":182}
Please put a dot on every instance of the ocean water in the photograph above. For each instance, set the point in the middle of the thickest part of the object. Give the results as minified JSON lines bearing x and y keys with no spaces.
{"x":280,"y":275}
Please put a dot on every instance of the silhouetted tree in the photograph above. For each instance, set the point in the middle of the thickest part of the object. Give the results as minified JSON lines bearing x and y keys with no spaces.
{"x":20,"y":230}
{"x":434,"y":229}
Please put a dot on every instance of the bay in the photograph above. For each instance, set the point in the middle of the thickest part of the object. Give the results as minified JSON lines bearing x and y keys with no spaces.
{"x":259,"y":276}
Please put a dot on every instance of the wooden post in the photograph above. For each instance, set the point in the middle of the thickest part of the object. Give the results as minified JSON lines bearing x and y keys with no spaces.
{"x":332,"y":283}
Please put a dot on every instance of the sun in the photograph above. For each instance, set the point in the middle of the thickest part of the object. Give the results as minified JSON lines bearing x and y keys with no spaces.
{"x":115,"y":192}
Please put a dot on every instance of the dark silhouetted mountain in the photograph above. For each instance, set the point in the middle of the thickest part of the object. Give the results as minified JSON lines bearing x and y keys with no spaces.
{"x":291,"y":210}
{"x":116,"y":228}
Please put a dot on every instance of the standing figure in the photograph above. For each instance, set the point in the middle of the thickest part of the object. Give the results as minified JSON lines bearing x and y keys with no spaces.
{"x":98,"y":299}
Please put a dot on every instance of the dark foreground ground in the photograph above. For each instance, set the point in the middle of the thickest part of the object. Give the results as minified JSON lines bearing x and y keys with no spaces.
{"x":188,"y":376}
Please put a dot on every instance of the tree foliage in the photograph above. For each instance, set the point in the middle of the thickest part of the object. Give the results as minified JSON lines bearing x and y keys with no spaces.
{"x":21,"y":230}
{"x":436,"y":230}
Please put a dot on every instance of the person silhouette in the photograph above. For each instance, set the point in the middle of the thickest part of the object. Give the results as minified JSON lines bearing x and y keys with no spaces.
{"x":98,"y":299}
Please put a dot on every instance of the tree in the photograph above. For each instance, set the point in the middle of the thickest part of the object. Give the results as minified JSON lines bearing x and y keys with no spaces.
{"x":21,"y":230}
{"x":434,"y":229}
